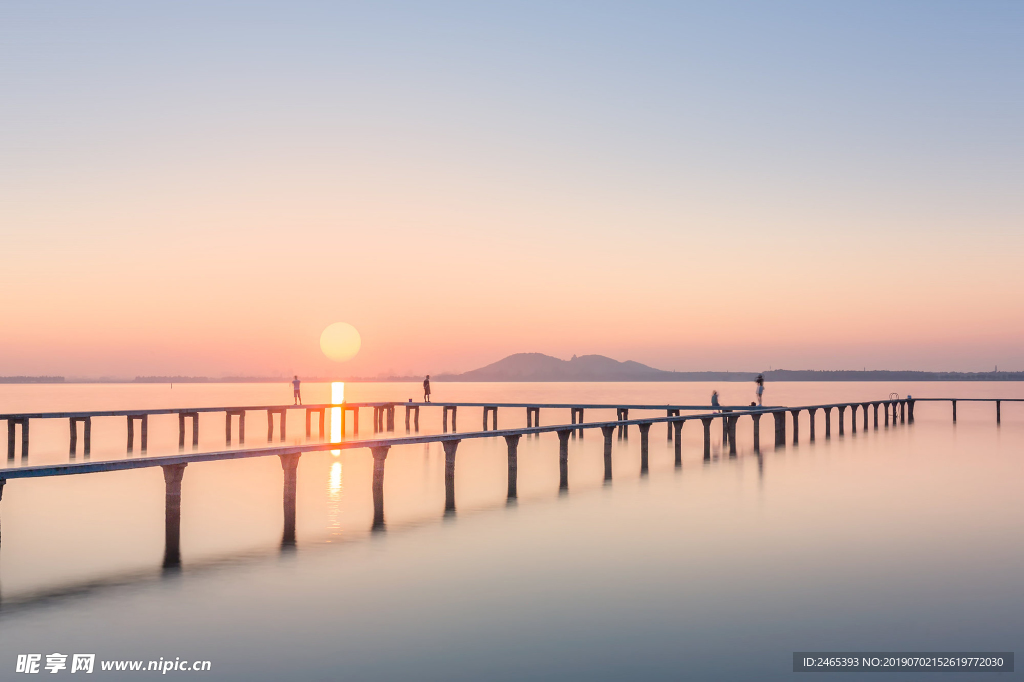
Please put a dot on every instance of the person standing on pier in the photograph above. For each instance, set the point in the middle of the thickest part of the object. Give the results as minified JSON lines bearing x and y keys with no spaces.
{"x":760,"y":388}
{"x":295,"y":390}
{"x":426,"y":389}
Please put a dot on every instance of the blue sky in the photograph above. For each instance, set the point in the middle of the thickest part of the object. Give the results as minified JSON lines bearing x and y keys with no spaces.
{"x":577,"y":152}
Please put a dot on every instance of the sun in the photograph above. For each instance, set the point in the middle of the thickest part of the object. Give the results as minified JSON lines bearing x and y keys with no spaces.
{"x":340,"y":341}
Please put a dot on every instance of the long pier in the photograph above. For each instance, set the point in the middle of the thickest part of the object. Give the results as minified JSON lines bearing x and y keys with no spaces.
{"x":901,"y":411}
{"x":383,"y":419}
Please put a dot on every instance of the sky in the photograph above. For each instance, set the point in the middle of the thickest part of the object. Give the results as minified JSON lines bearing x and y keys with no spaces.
{"x":200,"y":188}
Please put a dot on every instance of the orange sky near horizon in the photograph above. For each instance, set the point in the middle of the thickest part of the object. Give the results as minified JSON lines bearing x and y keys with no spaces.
{"x":204,"y":205}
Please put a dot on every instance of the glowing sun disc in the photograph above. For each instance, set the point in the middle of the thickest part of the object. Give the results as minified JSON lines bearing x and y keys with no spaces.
{"x":340,"y":341}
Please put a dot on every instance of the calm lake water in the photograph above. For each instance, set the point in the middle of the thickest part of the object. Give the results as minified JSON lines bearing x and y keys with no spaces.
{"x":907,"y":538}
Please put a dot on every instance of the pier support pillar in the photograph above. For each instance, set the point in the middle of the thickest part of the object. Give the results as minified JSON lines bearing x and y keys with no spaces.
{"x":607,"y":432}
{"x":780,"y":428}
{"x":172,"y":514}
{"x":390,"y":410}
{"x":444,"y":418}
{"x":241,"y":426}
{"x":563,"y":459}
{"x":380,"y":454}
{"x":828,"y":422}
{"x":811,"y":414}
{"x":885,"y":406}
{"x":144,"y":432}
{"x":645,"y":430}
{"x":309,"y":415}
{"x":706,"y":421}
{"x":757,"y":432}
{"x":670,"y":425}
{"x":903,"y":411}
{"x":194,"y":416}
{"x":493,"y":409}
{"x":841,"y":410}
{"x":513,"y":464}
{"x":678,"y":428}
{"x":910,"y":411}
{"x":731,"y":423}
{"x":450,"y":446}
{"x":290,"y":465}
{"x":414,"y":410}
{"x":796,"y":426}
{"x":853,"y":419}
{"x":11,"y":423}
{"x":532,"y":417}
{"x":345,"y":409}
{"x":999,"y":412}
{"x":87,"y":435}
{"x":283,"y":417}
{"x":864,"y":409}
{"x":875,"y":405}
{"x":576,"y":416}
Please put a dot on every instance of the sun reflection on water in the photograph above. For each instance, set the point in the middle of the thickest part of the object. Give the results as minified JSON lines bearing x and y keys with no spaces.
{"x":335,"y":488}
{"x":337,"y":417}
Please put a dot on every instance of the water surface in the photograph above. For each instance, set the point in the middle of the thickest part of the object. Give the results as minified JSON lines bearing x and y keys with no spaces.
{"x":904,"y":538}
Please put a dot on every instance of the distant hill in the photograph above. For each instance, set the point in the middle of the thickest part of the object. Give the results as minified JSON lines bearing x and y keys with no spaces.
{"x":540,"y":367}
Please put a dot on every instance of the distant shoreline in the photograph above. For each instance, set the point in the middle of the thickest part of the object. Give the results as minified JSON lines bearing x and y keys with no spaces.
{"x":775,"y":376}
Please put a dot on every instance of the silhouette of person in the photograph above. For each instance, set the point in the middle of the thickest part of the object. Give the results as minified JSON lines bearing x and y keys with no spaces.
{"x":426,"y":389}
{"x":760,"y":388}
{"x":295,"y":390}
{"x":714,"y":399}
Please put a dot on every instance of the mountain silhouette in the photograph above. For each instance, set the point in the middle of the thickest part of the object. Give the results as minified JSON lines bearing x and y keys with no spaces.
{"x":540,"y":367}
